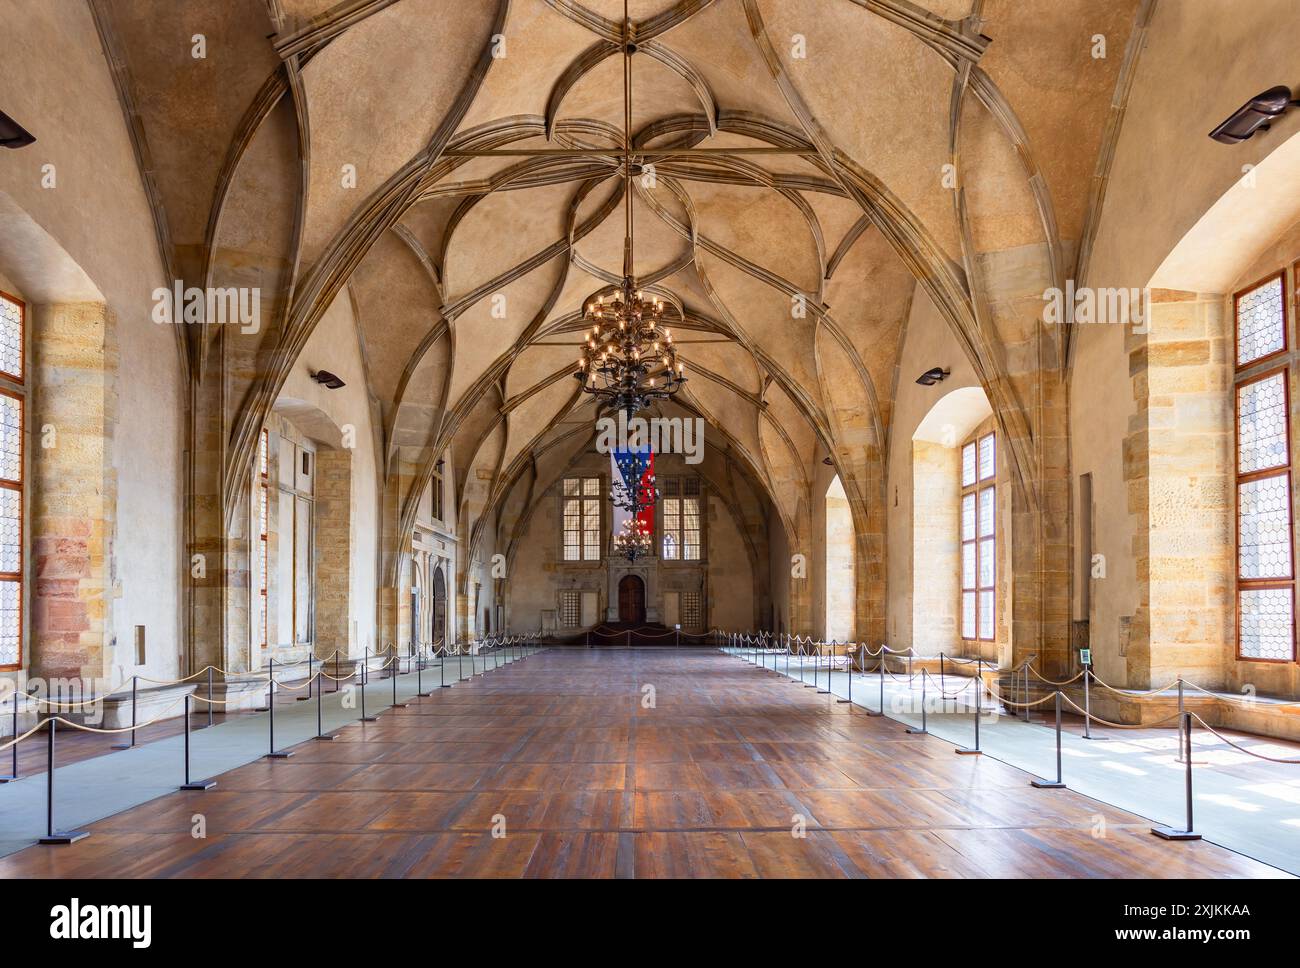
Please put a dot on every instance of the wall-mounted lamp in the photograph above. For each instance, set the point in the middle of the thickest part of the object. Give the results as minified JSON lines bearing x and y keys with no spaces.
{"x":1254,"y":115}
{"x":932,"y":376}
{"x":13,"y":134}
{"x":328,"y":380}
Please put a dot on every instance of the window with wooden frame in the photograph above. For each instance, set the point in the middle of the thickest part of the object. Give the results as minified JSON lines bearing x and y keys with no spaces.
{"x":581,"y":519}
{"x":682,"y":538}
{"x":979,"y":543}
{"x":13,"y":406}
{"x":263,"y":535}
{"x":1265,"y":556}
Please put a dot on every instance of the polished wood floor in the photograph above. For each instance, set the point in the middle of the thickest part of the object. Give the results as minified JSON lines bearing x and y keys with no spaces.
{"x":591,"y":778}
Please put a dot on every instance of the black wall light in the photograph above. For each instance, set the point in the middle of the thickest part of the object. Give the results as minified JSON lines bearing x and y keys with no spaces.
{"x":932,"y":376}
{"x":13,"y":134}
{"x":1254,"y":115}
{"x":328,"y":380}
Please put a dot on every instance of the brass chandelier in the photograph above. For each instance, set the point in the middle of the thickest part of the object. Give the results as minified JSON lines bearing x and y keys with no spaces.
{"x":635,"y":540}
{"x":627,"y":359}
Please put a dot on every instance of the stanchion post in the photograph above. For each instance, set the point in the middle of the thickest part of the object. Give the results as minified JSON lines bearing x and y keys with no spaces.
{"x":882,"y":678}
{"x":1087,"y":707}
{"x":1056,"y":784}
{"x":442,"y":668}
{"x":848,"y":669}
{"x":1189,"y":831}
{"x":135,"y":681}
{"x":192,"y":784}
{"x":979,"y":695}
{"x":320,"y":692}
{"x":396,"y":659}
{"x":365,"y":676}
{"x":419,"y":675}
{"x":275,"y":754}
{"x":53,"y":836}
{"x":210,"y":704}
{"x":1179,"y":757}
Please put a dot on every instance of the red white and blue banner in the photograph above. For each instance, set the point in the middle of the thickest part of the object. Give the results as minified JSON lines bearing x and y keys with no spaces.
{"x":635,"y":468}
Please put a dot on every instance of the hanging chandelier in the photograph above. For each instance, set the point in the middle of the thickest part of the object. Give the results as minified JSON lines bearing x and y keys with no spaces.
{"x":627,"y":359}
{"x":634,"y":540}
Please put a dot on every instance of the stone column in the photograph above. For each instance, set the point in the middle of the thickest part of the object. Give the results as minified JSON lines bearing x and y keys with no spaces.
{"x":333,"y":552}
{"x":1178,"y":465}
{"x":73,"y":492}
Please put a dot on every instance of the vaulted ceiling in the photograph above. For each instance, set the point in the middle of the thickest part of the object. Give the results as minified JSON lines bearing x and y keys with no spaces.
{"x":325,"y":148}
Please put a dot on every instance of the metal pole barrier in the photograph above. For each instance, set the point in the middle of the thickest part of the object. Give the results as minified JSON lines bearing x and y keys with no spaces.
{"x":135,"y":680}
{"x":365,"y":677}
{"x":320,"y":692}
{"x":882,"y":678}
{"x":1054,"y":784}
{"x":848,"y":655}
{"x":943,"y":685}
{"x":396,"y":660}
{"x":1087,"y":707}
{"x":924,"y":725}
{"x":1179,"y":757}
{"x":979,"y":695}
{"x":209,"y":695}
{"x":1189,"y":831}
{"x":829,"y":659}
{"x":270,"y":682}
{"x":192,"y":784}
{"x":53,"y":836}
{"x":419,"y":675}
{"x":335,"y":657}
{"x":460,"y":664}
{"x":442,"y":668}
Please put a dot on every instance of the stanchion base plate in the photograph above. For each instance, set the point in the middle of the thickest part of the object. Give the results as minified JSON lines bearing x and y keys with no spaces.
{"x":369,"y":719}
{"x":872,"y":712}
{"x":325,"y":737}
{"x":65,"y":837}
{"x":842,"y":701}
{"x":967,"y":751}
{"x":1046,"y":785}
{"x":917,"y":732}
{"x":121,"y":746}
{"x":199,"y":785}
{"x":399,"y":705}
{"x":823,"y":692}
{"x":446,"y":685}
{"x":279,"y":755}
{"x":306,"y":698}
{"x":423,"y":695}
{"x":7,"y":779}
{"x":1096,"y":739}
{"x":1169,"y":833}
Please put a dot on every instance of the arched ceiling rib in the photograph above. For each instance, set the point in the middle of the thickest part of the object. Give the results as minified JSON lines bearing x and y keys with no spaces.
{"x":805,"y":204}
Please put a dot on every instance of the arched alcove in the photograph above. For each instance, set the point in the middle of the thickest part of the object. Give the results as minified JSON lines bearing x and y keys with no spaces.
{"x":840,"y":545}
{"x":936,"y":517}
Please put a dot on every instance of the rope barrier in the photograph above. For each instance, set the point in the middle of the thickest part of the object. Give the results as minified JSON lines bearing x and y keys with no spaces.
{"x":1242,"y":749}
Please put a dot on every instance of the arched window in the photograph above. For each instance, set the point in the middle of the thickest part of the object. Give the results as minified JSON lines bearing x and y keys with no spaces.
{"x":978,"y":538}
{"x":13,"y":406}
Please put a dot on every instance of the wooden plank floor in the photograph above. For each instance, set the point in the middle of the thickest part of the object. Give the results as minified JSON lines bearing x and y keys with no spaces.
{"x":709,"y":781}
